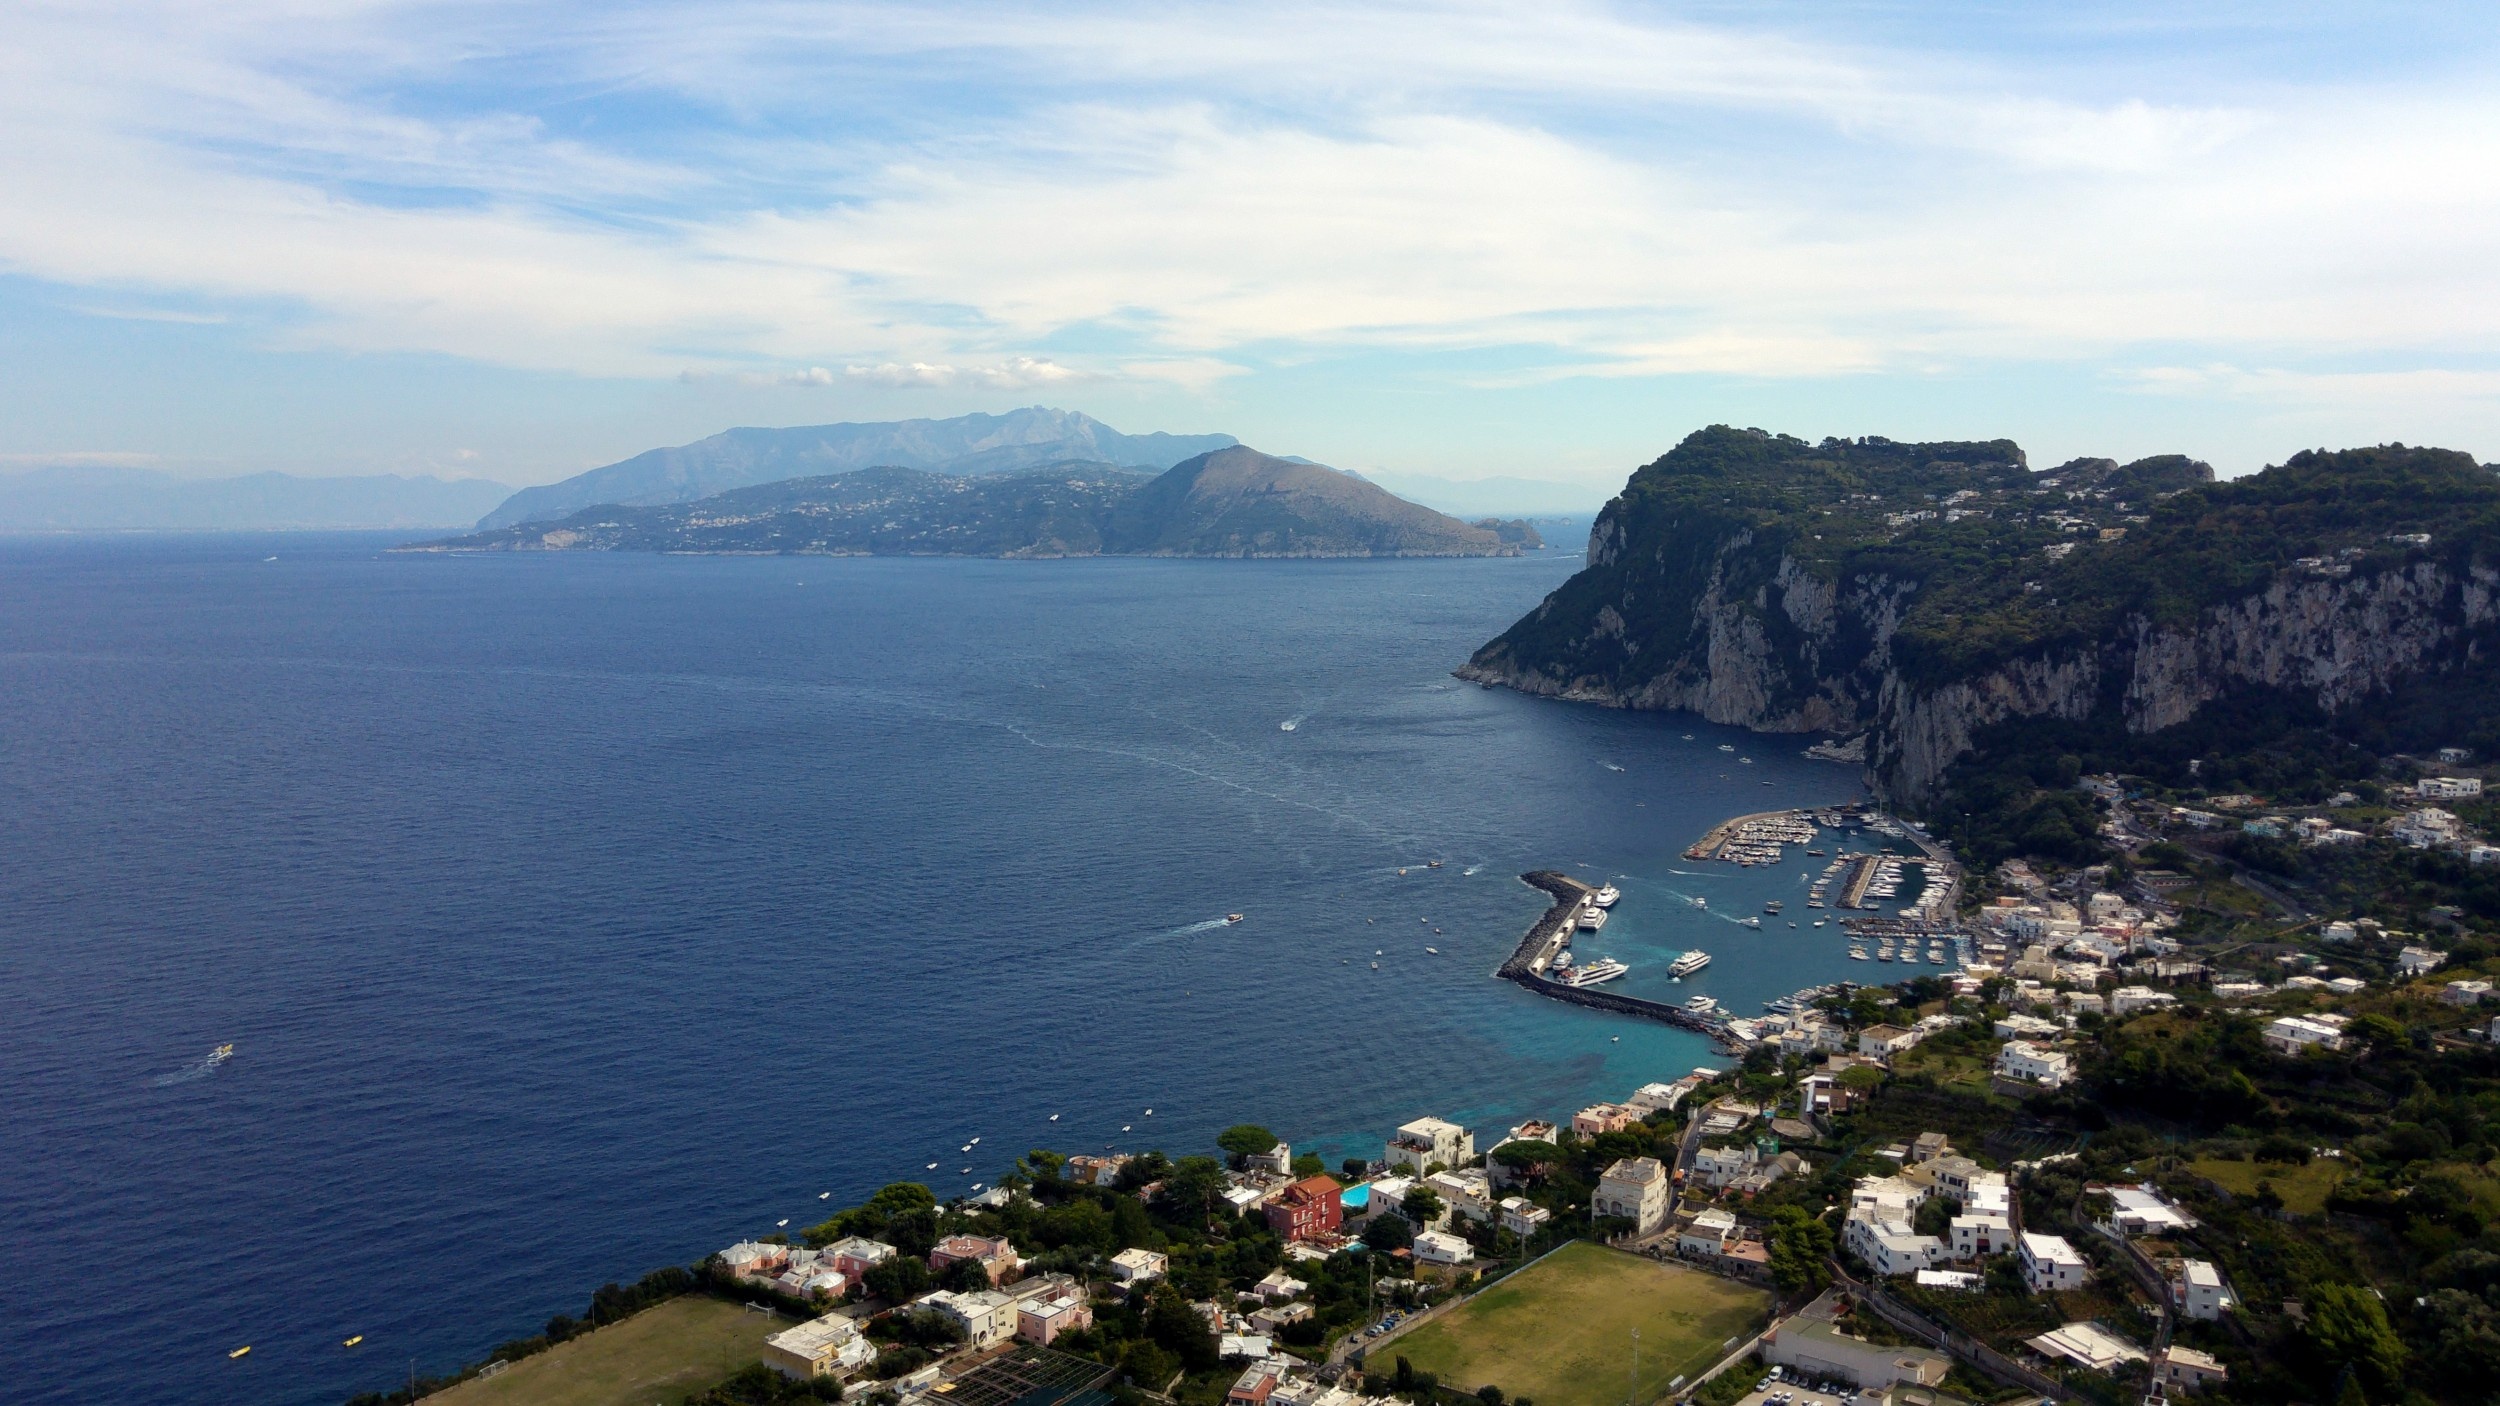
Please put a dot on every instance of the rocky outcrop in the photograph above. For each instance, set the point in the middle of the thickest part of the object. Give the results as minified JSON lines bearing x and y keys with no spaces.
{"x":1766,"y":583}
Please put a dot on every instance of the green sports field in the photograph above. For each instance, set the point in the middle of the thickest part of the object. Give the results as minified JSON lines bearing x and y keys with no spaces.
{"x":1560,"y":1331}
{"x":665,"y":1353}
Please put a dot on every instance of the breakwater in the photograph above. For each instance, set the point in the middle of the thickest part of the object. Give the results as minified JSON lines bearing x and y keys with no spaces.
{"x":1528,"y":962}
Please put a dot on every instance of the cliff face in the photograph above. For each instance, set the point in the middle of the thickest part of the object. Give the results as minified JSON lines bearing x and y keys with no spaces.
{"x":1920,"y":593}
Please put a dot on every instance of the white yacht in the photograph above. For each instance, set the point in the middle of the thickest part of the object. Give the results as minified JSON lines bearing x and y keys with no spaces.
{"x":1591,"y":919}
{"x":1606,"y":897}
{"x":1592,"y":972}
{"x":1689,"y":963}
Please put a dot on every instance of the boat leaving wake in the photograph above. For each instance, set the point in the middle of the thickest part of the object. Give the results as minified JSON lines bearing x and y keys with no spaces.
{"x":207,"y":1066}
{"x":1470,"y":871}
{"x":1610,"y":766}
{"x":1293,"y":722}
{"x":1209,"y":925}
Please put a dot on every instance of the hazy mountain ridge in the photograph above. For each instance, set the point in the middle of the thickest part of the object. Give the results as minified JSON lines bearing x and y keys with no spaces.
{"x":86,"y":498}
{"x":1233,"y":502}
{"x":966,"y":445}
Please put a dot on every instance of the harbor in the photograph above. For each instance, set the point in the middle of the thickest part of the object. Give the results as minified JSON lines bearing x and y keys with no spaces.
{"x":1549,"y":939}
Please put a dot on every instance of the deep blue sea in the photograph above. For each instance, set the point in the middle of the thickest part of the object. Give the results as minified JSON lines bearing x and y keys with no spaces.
{"x":574,"y":915}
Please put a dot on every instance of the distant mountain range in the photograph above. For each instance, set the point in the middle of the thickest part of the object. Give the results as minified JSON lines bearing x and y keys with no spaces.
{"x":1231,"y":502}
{"x":966,"y":446}
{"x":87,"y":498}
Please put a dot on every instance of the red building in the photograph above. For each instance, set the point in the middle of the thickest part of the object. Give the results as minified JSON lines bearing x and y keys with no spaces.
{"x":1311,"y":1207}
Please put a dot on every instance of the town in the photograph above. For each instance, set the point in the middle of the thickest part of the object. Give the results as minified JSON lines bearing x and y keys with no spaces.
{"x":2121,"y":1153}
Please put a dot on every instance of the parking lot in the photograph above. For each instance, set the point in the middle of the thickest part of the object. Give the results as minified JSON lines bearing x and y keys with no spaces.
{"x":1787,"y":1393}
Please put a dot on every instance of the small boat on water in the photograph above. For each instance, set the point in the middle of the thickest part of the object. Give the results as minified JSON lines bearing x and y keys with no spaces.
{"x":1725,"y":747}
{"x":238,"y":1352}
{"x":1821,"y":921}
{"x":1771,"y":907}
{"x":1607,"y":896}
{"x":1436,"y":864}
{"x":1054,"y":1117}
{"x":1688,"y":964}
{"x":1375,"y":967}
{"x":1750,"y":922}
{"x":1434,"y":951}
{"x":1231,"y":918}
{"x":351,"y":1342}
{"x":1857,"y":954}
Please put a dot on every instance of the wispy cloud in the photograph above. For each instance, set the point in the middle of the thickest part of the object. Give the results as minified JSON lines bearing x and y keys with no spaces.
{"x":935,"y":199}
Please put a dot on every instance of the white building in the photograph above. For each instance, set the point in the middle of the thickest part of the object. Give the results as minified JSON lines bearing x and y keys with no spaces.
{"x":1881,"y":1228}
{"x":2141,"y":1210}
{"x":987,"y":1316}
{"x":1974,"y":1235}
{"x":2033,"y":1064}
{"x":1427,"y":1142}
{"x":1523,"y":1217}
{"x":1717,"y":1166}
{"x":1708,"y":1234}
{"x":1635,"y":1188}
{"x":2127,"y":1000}
{"x":2414,"y":961}
{"x":1137,"y":1266}
{"x":2019,"y":1026}
{"x":1468,"y":1192}
{"x":2448,"y":788}
{"x":2466,"y":993}
{"x":830,"y":1346}
{"x":2197,"y":1290}
{"x":2293,"y":1033}
{"x":2186,"y":1369}
{"x":1441,"y":1247}
{"x":2049,"y":1263}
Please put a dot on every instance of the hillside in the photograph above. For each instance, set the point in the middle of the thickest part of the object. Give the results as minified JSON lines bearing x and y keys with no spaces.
{"x":1929,"y":593}
{"x":965,"y":445}
{"x":87,"y":498}
{"x":1234,"y":502}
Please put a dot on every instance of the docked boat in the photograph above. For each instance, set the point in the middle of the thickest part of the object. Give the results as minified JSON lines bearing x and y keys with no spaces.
{"x":1857,"y":954}
{"x":1702,"y":1005}
{"x":1689,"y":963}
{"x":1607,"y":897}
{"x":1592,"y":973}
{"x":1591,"y":919}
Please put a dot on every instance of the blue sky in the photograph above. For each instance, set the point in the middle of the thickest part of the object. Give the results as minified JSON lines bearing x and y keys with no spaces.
{"x":1454,"y":240}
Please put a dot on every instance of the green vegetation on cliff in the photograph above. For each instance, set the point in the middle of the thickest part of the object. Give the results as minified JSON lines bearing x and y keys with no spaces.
{"x":1933,"y":592}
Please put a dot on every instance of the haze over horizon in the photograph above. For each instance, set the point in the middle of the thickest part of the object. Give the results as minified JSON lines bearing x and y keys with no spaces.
{"x":1442,"y":241}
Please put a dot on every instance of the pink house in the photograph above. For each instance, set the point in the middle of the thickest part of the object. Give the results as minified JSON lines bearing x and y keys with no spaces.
{"x":1044,"y":1319}
{"x":994,"y":1253}
{"x":1604,"y":1118}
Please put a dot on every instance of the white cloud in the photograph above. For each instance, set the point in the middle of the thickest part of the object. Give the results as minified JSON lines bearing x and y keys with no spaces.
{"x":1617,"y":194}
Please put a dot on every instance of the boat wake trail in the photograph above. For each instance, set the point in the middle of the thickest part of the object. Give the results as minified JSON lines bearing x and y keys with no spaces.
{"x":1471,"y":871}
{"x":1209,"y":925}
{"x":1293,"y":722}
{"x":201,"y":1070}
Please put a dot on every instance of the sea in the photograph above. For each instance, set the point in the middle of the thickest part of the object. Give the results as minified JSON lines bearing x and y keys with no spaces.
{"x":573,"y":915}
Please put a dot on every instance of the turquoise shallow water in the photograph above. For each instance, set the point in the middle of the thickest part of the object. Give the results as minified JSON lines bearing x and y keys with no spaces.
{"x":576,"y":915}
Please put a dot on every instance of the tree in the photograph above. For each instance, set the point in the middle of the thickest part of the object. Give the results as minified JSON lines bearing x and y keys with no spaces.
{"x":1310,"y":1164}
{"x":1176,"y":1328}
{"x":1422,"y":1206}
{"x":1489,"y":1394}
{"x":1386,"y":1233}
{"x":1191,"y":1188}
{"x":1243,"y":1141}
{"x":2348,"y":1326}
{"x":896,"y":1280}
{"x":964,"y":1276}
{"x":2377,"y":1032}
{"x":1800,"y":1246}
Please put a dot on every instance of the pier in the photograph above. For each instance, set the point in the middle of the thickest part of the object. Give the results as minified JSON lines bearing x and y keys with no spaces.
{"x":1549,"y":934}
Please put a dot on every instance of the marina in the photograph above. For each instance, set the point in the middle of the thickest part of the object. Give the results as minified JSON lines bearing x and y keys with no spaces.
{"x":1532,"y":963}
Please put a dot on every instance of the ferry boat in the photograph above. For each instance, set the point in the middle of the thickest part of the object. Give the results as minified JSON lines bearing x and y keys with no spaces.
{"x":1689,"y":963}
{"x":1607,"y":897}
{"x":1702,"y":1005}
{"x":1591,"y":919}
{"x":1591,"y":973}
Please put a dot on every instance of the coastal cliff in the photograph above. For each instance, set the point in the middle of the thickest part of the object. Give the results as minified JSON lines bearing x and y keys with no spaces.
{"x":1923,"y":594}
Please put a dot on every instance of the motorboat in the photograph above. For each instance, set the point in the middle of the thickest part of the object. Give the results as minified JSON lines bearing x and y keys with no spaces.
{"x":1750,"y":922}
{"x":1771,"y":907}
{"x":1702,"y":1005}
{"x":1603,"y":969}
{"x":1591,"y":919}
{"x":1607,"y":897}
{"x":1857,"y":954}
{"x":1232,"y":918}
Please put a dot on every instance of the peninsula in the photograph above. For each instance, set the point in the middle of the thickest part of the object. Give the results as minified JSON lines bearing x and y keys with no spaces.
{"x":1230,"y":502}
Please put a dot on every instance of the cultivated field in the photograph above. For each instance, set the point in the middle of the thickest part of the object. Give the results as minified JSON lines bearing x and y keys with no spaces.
{"x":1560,"y":1332}
{"x":665,"y":1354}
{"x":2303,"y":1188}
